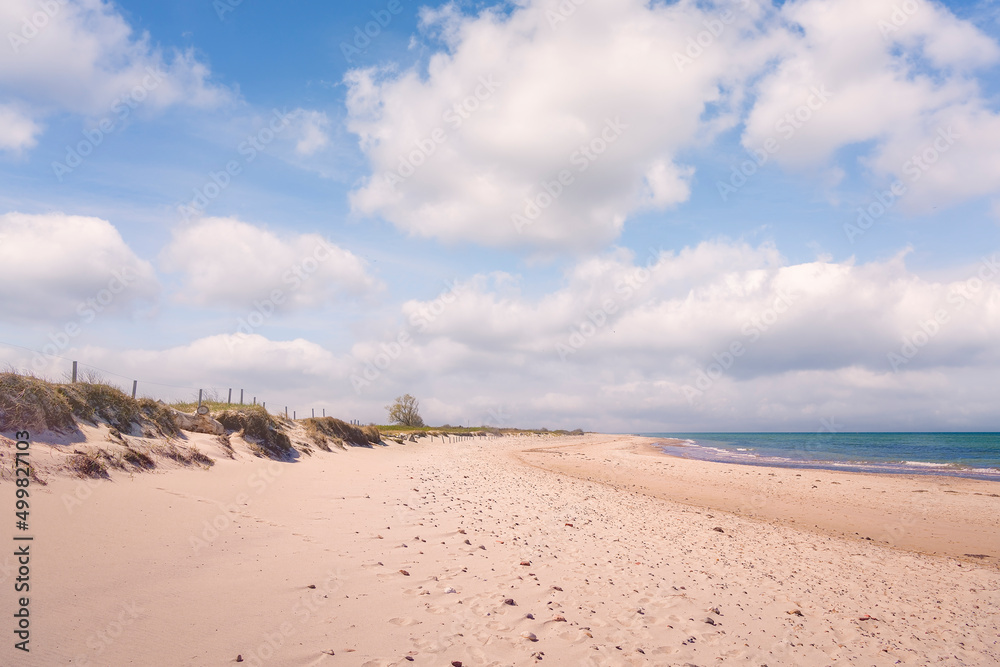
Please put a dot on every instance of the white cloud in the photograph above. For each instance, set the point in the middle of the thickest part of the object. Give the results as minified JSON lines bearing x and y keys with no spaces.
{"x":891,"y":77}
{"x":313,"y":132}
{"x":52,"y":264}
{"x":618,"y":344}
{"x":516,"y":99}
{"x":229,"y":263}
{"x":83,"y":57}
{"x":816,"y":342}
{"x":17,"y":130}
{"x":510,"y":99}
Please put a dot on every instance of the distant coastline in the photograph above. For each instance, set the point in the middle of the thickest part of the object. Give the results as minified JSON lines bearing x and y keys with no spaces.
{"x":963,"y":454}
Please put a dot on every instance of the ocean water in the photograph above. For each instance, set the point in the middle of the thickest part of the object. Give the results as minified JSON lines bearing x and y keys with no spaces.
{"x":975,"y":455}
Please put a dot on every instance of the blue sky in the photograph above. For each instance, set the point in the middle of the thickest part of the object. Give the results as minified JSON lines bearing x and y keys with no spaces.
{"x":614,"y":309}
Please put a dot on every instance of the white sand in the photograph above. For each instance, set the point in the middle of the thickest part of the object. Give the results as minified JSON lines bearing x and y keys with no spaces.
{"x":132,"y":575}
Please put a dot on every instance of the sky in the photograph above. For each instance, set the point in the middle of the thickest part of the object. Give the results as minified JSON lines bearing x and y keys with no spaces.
{"x":613,"y":215}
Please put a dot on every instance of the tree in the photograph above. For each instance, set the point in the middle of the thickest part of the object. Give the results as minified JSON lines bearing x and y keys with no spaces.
{"x":405,"y":411}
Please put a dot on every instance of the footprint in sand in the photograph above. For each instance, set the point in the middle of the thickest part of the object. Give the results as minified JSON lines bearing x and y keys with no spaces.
{"x":404,"y":621}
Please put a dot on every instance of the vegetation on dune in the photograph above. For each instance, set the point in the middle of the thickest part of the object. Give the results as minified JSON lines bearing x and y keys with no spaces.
{"x":214,"y":406}
{"x":330,"y":431}
{"x":255,"y":425}
{"x":27,"y":402}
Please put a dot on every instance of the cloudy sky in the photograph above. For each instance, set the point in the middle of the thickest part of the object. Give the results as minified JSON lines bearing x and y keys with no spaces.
{"x":609,"y":214}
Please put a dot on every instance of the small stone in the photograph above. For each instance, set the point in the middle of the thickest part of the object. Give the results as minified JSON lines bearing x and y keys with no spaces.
{"x":531,"y":616}
{"x":718,"y":530}
{"x":456,"y":663}
{"x":468,"y":542}
{"x":450,"y":590}
{"x":795,"y":612}
{"x":530,"y":636}
{"x":510,"y":602}
{"x":710,"y":620}
{"x":311,"y":586}
{"x":559,"y":619}
{"x":557,"y":588}
{"x":404,"y":573}
{"x":239,"y":658}
{"x":409,"y":658}
{"x":524,"y":562}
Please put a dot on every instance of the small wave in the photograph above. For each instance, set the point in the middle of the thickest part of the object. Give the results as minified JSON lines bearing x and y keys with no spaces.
{"x":925,"y":464}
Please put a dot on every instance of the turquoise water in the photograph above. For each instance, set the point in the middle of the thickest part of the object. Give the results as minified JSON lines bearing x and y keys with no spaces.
{"x":974,"y":455}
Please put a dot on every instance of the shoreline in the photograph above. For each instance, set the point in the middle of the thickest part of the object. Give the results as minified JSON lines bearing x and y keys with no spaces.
{"x":938,"y":515}
{"x":915,"y":468}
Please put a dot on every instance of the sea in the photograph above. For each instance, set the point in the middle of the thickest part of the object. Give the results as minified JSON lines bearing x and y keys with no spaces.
{"x":974,"y":455}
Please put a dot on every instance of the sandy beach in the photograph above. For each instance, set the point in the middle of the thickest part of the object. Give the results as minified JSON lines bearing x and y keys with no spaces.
{"x":591,"y":550}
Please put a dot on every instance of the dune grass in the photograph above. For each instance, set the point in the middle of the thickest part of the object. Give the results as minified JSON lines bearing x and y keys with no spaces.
{"x":259,"y":428}
{"x":28,"y":402}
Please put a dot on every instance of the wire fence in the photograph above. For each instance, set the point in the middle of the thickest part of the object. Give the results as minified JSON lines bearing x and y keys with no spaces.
{"x":76,"y":370}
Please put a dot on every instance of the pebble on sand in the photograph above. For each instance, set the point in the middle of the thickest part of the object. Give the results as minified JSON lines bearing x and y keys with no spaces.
{"x":530,"y":636}
{"x":404,"y":573}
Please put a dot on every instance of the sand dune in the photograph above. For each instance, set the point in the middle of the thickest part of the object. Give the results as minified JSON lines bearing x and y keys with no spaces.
{"x":436,"y":553}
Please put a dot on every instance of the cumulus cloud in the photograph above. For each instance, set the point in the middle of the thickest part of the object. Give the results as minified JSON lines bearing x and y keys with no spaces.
{"x":313,"y":132}
{"x":899,"y":75}
{"x":17,"y":129}
{"x":619,"y":96}
{"x":229,"y":263}
{"x":721,"y":335}
{"x":82,"y":56}
{"x":53,"y":265}
{"x":569,"y":123}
